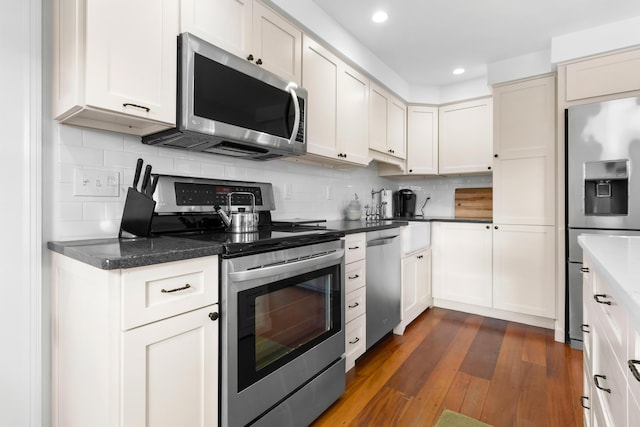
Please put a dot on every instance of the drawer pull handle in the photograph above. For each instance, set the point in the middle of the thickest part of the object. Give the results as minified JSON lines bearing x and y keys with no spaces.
{"x":354,"y":247}
{"x":142,"y":107}
{"x":354,"y":341}
{"x":187,"y":286}
{"x":354,"y":305}
{"x":584,"y":269}
{"x":595,"y":380}
{"x":582,"y":400}
{"x":584,"y":328}
{"x":598,"y":296}
{"x":354,"y":277}
{"x":632,"y":366}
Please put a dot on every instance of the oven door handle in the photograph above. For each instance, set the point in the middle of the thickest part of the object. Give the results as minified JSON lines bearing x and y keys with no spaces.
{"x":289,"y":267}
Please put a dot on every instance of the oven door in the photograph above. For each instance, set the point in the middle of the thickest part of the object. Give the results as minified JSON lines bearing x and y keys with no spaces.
{"x":282,"y":320}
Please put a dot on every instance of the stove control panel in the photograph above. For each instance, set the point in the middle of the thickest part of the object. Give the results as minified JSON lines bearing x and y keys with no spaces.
{"x":183,"y":194}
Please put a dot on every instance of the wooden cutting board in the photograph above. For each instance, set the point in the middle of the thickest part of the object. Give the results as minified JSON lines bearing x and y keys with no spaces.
{"x":474,"y":203}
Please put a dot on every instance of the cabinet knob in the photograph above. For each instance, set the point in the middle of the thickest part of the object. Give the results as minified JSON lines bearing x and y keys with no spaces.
{"x":495,"y":155}
{"x":495,"y":226}
{"x":410,"y":170}
{"x":214,"y":316}
{"x":259,"y":61}
{"x":250,"y":57}
{"x":489,"y":167}
{"x":487,"y":227}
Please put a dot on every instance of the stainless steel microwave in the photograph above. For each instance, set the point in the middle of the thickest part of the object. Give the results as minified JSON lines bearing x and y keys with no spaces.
{"x":227,"y":105}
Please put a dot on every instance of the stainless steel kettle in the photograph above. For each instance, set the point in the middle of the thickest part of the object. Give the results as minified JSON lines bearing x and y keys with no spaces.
{"x":240,"y":221}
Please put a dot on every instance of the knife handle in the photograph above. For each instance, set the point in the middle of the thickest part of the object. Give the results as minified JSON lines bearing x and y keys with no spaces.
{"x":136,"y":177}
{"x":145,"y":178}
{"x":154,"y":184}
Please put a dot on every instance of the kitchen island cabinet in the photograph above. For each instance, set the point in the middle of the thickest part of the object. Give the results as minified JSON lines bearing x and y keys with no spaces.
{"x":466,"y":137}
{"x":338,"y":117}
{"x":135,"y":346}
{"x":611,"y":304}
{"x":247,"y":29}
{"x":124,"y":80}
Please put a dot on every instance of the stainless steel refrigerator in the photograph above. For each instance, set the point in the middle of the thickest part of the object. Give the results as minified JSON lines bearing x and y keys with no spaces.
{"x":603,"y":186}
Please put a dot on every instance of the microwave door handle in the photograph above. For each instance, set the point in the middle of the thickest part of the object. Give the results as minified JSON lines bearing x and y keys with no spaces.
{"x":296,"y":107}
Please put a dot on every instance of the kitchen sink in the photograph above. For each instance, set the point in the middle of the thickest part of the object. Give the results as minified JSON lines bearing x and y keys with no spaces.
{"x":415,"y":236}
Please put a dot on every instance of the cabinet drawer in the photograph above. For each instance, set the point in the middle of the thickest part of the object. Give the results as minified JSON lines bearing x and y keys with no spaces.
{"x":355,"y":247}
{"x":355,"y":275}
{"x":609,"y":316}
{"x":355,"y":304}
{"x":160,"y":291}
{"x":355,"y":337}
{"x":608,"y":380}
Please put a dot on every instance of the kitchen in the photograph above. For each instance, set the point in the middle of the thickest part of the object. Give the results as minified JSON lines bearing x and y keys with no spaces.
{"x":83,"y":148}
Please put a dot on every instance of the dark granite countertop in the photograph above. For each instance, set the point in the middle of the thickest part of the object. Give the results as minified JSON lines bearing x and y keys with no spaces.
{"x":444,"y":219}
{"x":111,"y":254}
{"x":360,"y":226}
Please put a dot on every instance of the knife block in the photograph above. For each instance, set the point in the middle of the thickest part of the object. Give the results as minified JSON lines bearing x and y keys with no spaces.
{"x":137,"y":214}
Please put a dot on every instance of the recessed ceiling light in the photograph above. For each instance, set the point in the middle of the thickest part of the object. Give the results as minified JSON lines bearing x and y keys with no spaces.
{"x":379,"y":16}
{"x":458,"y":71}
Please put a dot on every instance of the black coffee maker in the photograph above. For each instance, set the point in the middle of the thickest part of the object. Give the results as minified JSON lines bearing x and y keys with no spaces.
{"x":404,"y":203}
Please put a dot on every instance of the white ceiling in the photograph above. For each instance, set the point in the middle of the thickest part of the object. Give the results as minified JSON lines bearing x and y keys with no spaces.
{"x":424,"y":40}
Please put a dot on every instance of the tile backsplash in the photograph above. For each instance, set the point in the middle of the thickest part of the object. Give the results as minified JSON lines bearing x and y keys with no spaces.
{"x":301,"y":190}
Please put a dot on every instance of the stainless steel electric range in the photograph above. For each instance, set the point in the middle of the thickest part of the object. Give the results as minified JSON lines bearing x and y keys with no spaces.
{"x":281,"y":300}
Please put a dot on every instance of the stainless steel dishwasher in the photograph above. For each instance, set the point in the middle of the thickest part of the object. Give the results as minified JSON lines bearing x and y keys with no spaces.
{"x":383,"y":283}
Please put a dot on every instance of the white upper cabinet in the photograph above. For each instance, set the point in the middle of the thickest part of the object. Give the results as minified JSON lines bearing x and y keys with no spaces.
{"x":524,"y":163}
{"x":387,"y":124}
{"x":114,"y":64}
{"x":337,"y":118}
{"x":466,"y":137}
{"x":422,"y":140}
{"x":247,"y":29}
{"x":224,"y":23}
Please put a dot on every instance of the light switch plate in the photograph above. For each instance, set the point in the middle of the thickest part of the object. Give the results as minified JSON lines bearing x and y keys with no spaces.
{"x":96,"y":182}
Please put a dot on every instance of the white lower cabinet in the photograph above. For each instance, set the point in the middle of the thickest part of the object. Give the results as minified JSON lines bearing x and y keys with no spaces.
{"x":524,"y":269}
{"x":135,"y":347}
{"x":504,"y":271}
{"x":462,"y":262}
{"x":416,"y":287}
{"x":355,"y":280}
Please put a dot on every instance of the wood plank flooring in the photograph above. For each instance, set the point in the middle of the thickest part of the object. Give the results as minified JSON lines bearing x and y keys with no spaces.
{"x":502,"y":373}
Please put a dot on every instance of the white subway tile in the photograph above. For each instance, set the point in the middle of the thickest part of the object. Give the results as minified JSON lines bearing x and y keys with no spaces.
{"x":133,"y":144}
{"x":187,"y":167}
{"x":81,"y":156}
{"x":93,"y":138}
{"x":70,"y":135}
{"x":93,"y":211}
{"x":69,"y":211}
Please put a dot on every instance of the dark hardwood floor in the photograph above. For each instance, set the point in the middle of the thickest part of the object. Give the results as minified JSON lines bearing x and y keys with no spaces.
{"x":502,"y":373}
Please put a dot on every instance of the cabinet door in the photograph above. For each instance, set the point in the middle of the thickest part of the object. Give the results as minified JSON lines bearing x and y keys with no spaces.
{"x":462,"y":263}
{"x":416,"y":285}
{"x":353,"y":116}
{"x":397,"y":128}
{"x":422,"y":140}
{"x":524,"y":165}
{"x":378,"y":113}
{"x":320,"y":70}
{"x":524,"y":269}
{"x":466,"y":137}
{"x":170,"y":372}
{"x":423,"y":273}
{"x":277,"y":44}
{"x":131,"y":57}
{"x":224,"y":23}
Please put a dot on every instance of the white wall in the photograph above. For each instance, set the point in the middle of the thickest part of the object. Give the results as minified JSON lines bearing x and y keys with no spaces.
{"x":20,"y":314}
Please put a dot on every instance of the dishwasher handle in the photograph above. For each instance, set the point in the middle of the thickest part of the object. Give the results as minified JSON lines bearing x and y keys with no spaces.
{"x":381,"y":241}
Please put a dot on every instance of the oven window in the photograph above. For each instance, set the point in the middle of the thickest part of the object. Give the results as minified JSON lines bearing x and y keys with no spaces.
{"x":281,"y":320}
